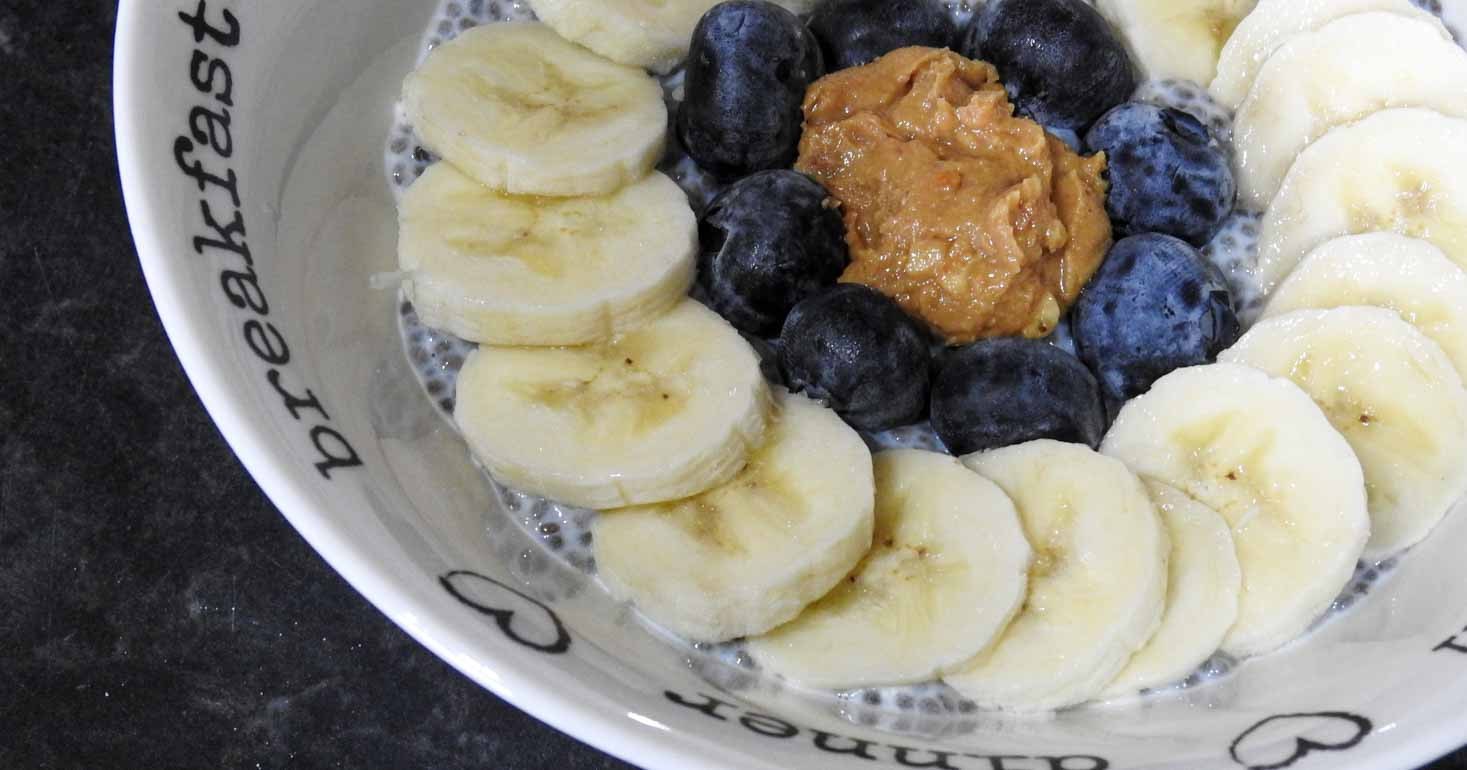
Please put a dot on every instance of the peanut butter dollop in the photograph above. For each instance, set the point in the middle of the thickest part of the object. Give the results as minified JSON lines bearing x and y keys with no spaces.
{"x":974,"y":220}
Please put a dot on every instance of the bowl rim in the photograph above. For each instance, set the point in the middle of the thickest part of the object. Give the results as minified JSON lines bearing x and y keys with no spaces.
{"x":661,"y":748}
{"x":629,"y":738}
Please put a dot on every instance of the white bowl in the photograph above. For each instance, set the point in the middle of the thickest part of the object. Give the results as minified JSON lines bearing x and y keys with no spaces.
{"x":299,"y":361}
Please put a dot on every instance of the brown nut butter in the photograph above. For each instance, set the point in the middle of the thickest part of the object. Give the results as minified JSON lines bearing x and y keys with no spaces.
{"x":974,"y":220}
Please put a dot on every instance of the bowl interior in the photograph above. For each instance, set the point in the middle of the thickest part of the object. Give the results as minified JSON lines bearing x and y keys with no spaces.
{"x":251,"y":139}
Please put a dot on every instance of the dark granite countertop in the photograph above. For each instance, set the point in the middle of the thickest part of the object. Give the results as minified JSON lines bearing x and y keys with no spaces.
{"x":155,"y":610}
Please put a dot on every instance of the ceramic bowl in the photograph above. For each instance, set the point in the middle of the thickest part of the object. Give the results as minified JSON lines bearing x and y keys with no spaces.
{"x":251,"y":138}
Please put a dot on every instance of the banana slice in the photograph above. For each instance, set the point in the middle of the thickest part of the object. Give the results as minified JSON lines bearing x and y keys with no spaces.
{"x":945,"y":574}
{"x":1203,"y":582}
{"x":511,"y":270}
{"x":520,"y":109}
{"x":1394,"y":396}
{"x":1258,"y":451}
{"x":747,"y":556}
{"x":1098,"y":583}
{"x":1349,"y":68}
{"x":653,"y":34}
{"x":1401,"y":170}
{"x":662,"y":412}
{"x":1175,"y":38}
{"x":1274,"y":22}
{"x":1407,"y":275}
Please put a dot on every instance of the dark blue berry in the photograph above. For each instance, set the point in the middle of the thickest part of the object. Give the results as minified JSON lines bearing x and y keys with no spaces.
{"x":1154,"y":306}
{"x":1008,"y":390}
{"x":1166,"y":174}
{"x":854,"y":348}
{"x":1060,"y":61}
{"x":747,"y":70}
{"x":768,"y":241}
{"x":768,"y":352}
{"x":855,"y":32}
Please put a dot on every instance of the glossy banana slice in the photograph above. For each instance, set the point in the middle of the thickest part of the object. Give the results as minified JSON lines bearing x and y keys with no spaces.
{"x":1097,"y":587}
{"x":515,"y":270}
{"x":749,"y":554}
{"x":946,"y":572}
{"x":665,"y":411}
{"x":1394,"y":396}
{"x":1257,"y":450}
{"x":523,"y":110}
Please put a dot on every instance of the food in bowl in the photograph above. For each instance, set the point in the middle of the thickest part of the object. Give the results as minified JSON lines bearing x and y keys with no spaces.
{"x":977,"y":221}
{"x":1153,"y":480}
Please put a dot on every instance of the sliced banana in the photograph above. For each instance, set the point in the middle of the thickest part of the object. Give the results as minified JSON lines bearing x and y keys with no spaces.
{"x":945,"y":574}
{"x":1098,"y":583}
{"x":521,"y":109}
{"x":1271,"y":24}
{"x":653,"y":34}
{"x":1392,"y":393}
{"x":1257,"y":450}
{"x":513,"y":270}
{"x":748,"y":555}
{"x":1349,"y":68}
{"x":1175,"y":38}
{"x":1401,"y":170}
{"x":1407,"y":275}
{"x":1202,"y":587}
{"x":662,"y":412}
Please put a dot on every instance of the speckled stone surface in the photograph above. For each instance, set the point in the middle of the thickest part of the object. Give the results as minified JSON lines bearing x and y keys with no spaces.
{"x":155,"y":610}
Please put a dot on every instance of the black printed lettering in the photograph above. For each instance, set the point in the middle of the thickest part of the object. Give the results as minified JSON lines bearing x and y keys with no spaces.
{"x":243,"y":290}
{"x":204,"y":80}
{"x":214,"y":130}
{"x":293,"y":402}
{"x":182,"y":148}
{"x":768,"y":725}
{"x":855,"y":746}
{"x":831,"y":743}
{"x":1070,"y":763}
{"x":227,"y":234}
{"x":266,"y":342}
{"x":1453,"y":643}
{"x":228,"y":38}
{"x":336,"y":453}
{"x":1003,"y":761}
{"x":709,"y":706}
{"x":939,"y":759}
{"x":211,"y":127}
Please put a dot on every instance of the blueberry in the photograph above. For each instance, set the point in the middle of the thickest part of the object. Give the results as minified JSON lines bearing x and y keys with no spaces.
{"x":1060,"y":61}
{"x":855,"y":348}
{"x":1154,"y":306}
{"x":1166,"y":175}
{"x":748,"y":67}
{"x":768,"y":241}
{"x":1008,"y":390}
{"x":768,"y":353}
{"x":855,"y":32}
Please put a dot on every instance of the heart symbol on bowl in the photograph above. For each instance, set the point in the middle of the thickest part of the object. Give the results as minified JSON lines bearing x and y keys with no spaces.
{"x":504,"y":604}
{"x":1265,"y":745}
